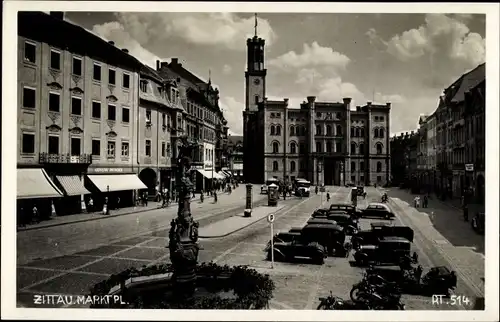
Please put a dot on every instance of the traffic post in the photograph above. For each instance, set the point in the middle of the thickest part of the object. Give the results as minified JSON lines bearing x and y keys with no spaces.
{"x":322,"y":190}
{"x":270,"y":220}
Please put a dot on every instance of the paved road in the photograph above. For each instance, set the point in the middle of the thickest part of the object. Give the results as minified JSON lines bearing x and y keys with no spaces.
{"x":298,"y":285}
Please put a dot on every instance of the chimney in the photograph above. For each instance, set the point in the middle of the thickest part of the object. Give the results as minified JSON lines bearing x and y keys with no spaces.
{"x":57,"y":14}
{"x":311,"y":99}
{"x":388,"y":105}
{"x":112,"y":43}
{"x":358,"y":108}
{"x":175,"y":61}
{"x":163,"y":64}
{"x":286,"y":100}
{"x":125,"y":50}
{"x":157,"y":65}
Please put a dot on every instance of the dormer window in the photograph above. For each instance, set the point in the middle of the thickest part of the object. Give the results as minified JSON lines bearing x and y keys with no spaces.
{"x":144,"y":86}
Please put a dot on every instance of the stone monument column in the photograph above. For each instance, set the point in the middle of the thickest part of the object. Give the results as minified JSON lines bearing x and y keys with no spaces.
{"x":249,"y":201}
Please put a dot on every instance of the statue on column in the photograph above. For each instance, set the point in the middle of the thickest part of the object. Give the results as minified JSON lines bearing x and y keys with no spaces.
{"x":183,"y":235}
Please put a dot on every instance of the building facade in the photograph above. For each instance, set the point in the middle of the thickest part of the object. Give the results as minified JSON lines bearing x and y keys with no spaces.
{"x":77,"y":102}
{"x":235,"y":156}
{"x":324,"y":142}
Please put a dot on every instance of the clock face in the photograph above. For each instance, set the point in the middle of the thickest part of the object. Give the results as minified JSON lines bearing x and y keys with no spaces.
{"x":256,"y":81}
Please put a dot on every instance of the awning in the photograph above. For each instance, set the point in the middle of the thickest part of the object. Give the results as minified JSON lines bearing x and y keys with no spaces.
{"x":208,"y":174}
{"x":35,"y":183}
{"x":227,"y":173}
{"x":222,"y":174}
{"x":72,"y":185}
{"x":117,"y":182}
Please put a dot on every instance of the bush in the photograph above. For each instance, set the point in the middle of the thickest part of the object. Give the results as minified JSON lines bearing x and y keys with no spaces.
{"x":252,"y":289}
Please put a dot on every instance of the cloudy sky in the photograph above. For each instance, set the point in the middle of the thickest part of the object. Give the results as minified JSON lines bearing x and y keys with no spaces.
{"x":405,"y":59}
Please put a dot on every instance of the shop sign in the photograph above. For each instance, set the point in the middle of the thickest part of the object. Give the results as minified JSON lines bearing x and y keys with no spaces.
{"x":196,"y":167}
{"x":109,"y":170}
{"x":469,"y":167}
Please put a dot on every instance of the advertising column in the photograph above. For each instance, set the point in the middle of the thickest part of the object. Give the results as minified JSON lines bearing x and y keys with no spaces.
{"x":249,"y":203}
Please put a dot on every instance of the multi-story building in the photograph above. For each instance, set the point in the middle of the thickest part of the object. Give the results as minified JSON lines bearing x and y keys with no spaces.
{"x":205,"y":123}
{"x":452,"y":132}
{"x":77,"y":103}
{"x":235,"y":156}
{"x":430,"y":124}
{"x":324,"y":142}
{"x":422,"y":172}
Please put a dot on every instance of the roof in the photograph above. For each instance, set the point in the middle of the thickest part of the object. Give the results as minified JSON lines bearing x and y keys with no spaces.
{"x":422,"y":119}
{"x":149,"y":72}
{"x":234,"y":139}
{"x":59,"y":33}
{"x":469,"y":81}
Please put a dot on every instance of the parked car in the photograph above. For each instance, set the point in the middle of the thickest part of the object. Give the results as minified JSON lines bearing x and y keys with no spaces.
{"x":353,"y":211}
{"x":386,"y":230}
{"x":285,"y":251}
{"x":390,"y":250}
{"x":346,"y":221}
{"x":321,"y":221}
{"x":264,"y":189}
{"x":477,"y":222}
{"x":377,"y":209}
{"x":304,"y":187}
{"x":331,"y":236}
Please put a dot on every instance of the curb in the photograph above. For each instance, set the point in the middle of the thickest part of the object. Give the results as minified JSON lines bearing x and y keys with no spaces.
{"x":97,"y":218}
{"x":241,"y":228}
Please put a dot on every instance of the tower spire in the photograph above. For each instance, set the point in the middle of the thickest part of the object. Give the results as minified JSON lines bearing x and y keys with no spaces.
{"x":255,"y":15}
{"x":209,"y":76}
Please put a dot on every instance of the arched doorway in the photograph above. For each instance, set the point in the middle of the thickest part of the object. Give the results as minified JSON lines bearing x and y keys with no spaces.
{"x":148,"y":177}
{"x":480,"y":188}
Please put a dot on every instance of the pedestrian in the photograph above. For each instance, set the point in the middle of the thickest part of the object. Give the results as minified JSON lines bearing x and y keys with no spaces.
{"x":118,"y":203}
{"x":426,"y":201}
{"x":328,"y":196}
{"x":36,"y":215}
{"x":145,"y":196}
{"x":202,"y":197}
{"x":416,"y":202}
{"x":466,"y":212}
{"x":215,"y":196}
{"x":90,"y":206}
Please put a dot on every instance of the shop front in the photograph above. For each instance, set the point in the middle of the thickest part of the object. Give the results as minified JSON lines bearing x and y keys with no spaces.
{"x":120,"y":185}
{"x":35,"y":189}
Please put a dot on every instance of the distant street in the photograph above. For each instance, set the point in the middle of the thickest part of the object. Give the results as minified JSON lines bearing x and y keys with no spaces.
{"x":298,"y":285}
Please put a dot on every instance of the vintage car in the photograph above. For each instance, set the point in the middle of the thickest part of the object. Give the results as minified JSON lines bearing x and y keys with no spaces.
{"x":438,"y":280}
{"x":360,"y":191}
{"x":353,"y":211}
{"x":264,"y":189}
{"x":477,"y":222}
{"x":295,"y":230}
{"x":286,"y":251}
{"x":390,"y":250}
{"x":303,"y":187}
{"x":343,"y":219}
{"x":285,"y":237}
{"x":379,"y":232}
{"x":376,"y":209}
{"x":321,"y":221}
{"x":331,"y":236}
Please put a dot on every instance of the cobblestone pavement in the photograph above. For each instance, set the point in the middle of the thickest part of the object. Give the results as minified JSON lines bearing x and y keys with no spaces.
{"x":109,"y":248}
{"x":298,"y":285}
{"x":68,"y":239}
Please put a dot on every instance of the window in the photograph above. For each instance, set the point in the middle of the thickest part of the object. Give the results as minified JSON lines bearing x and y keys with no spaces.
{"x":318,"y":114}
{"x":278,"y":130}
{"x":54,"y":101}
{"x":148,"y":116}
{"x":275,"y":147}
{"x":381,"y":133}
{"x":339,"y":130}
{"x":53,"y":144}
{"x":126,"y":80}
{"x":111,"y":112}
{"x":275,"y":166}
{"x":29,"y":52}
{"x":353,"y":166}
{"x":96,"y":110}
{"x":376,"y":118}
{"x":353,"y":148}
{"x":28,"y":143}
{"x":273,"y":131}
{"x":169,"y":150}
{"x":293,"y":148}
{"x":375,"y":133}
{"x":76,"y":144}
{"x":361,"y":148}
{"x":97,"y":72}
{"x":329,"y":147}
{"x":256,"y":98}
{"x":112,"y":76}
{"x":379,"y":166}
{"x":278,"y":115}
{"x":148,"y":148}
{"x":379,"y":178}
{"x":381,"y":119}
{"x":96,"y":147}
{"x":318,"y":147}
{"x":338,"y":147}
{"x":125,"y":149}
{"x":125,"y":114}
{"x":318,"y":129}
{"x":144,"y":86}
{"x":111,"y":149}
{"x":362,"y":132}
{"x":352,"y":132}
{"x":292,"y":166}
{"x":379,"y":148}
{"x":76,"y":105}
{"x":362,"y":167}
{"x":358,"y":132}
{"x":362,"y":179}
{"x":329,"y":130}
{"x":353,"y":178}
{"x":29,"y":97}
{"x":163,"y":149}
{"x":55,"y":59}
{"x":77,"y":66}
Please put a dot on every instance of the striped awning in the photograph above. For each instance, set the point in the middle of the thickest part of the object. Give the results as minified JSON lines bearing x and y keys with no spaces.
{"x":72,"y":185}
{"x":35,"y":183}
{"x":117,"y":182}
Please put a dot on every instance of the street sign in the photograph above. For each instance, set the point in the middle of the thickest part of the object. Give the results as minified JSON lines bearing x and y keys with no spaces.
{"x":469,"y":167}
{"x":270,"y":218}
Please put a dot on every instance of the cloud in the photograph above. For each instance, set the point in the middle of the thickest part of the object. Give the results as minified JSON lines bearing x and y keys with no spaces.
{"x":312,"y":55}
{"x":226,"y":70}
{"x":233,"y":113}
{"x":442,"y":36}
{"x":116,"y":32}
{"x":210,"y":29}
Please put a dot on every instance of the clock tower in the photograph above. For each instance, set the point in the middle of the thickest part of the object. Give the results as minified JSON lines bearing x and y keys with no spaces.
{"x":255,"y":75}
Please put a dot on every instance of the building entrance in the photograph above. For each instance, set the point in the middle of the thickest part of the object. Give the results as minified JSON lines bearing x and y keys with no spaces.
{"x":332,"y":172}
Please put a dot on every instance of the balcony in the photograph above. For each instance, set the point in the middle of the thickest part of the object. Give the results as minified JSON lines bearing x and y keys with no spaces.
{"x":49,"y":158}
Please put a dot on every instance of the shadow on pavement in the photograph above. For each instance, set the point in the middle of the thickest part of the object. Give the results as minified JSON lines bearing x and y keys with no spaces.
{"x":447,"y":220}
